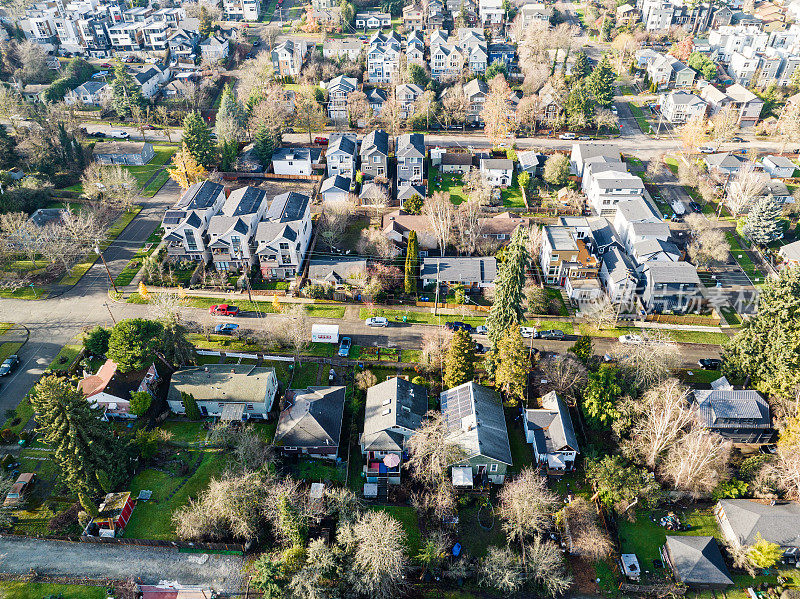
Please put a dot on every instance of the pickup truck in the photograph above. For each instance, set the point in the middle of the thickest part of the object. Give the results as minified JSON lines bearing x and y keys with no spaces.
{"x":224,"y":310}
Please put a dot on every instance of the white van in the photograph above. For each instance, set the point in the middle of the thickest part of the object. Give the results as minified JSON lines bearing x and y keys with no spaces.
{"x":118,"y":133}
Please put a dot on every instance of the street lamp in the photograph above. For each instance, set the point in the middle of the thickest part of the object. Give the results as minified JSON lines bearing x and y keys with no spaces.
{"x":111,"y":280}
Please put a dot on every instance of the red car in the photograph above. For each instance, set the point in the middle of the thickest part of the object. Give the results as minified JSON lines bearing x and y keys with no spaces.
{"x":105,"y":65}
{"x":323,"y":141}
{"x":224,"y":310}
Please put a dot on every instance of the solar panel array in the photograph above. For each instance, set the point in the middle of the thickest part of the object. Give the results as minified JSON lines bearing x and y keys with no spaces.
{"x":456,"y":404}
{"x":173,"y":217}
{"x":251,"y":200}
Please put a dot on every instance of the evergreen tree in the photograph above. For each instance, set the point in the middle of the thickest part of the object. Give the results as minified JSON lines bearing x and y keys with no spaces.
{"x":88,"y":505}
{"x":763,"y":225}
{"x":581,"y":68}
{"x":104,"y":481}
{"x":412,"y":263}
{"x":460,"y":363}
{"x":579,"y":106}
{"x":133,"y":343}
{"x":511,"y":365}
{"x":140,"y":402}
{"x":125,"y":92}
{"x":96,"y":341}
{"x":264,"y":144}
{"x":190,"y":406}
{"x":507,"y":309}
{"x":228,"y":152}
{"x":231,"y":117}
{"x":601,"y":83}
{"x":198,"y":139}
{"x":82,"y":444}
{"x":206,"y":22}
{"x":582,"y":348}
{"x":601,"y":397}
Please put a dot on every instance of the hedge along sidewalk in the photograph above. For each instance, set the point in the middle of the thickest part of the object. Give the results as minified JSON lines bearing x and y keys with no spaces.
{"x":81,"y":268}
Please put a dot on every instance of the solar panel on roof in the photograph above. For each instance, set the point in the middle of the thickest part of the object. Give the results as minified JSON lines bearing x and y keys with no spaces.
{"x":251,"y":199}
{"x":173,"y":217}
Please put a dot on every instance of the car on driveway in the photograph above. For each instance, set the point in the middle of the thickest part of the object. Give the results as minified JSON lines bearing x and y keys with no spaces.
{"x":482,"y":329}
{"x":705,"y":150}
{"x":377,"y":321}
{"x":527,"y":332}
{"x":344,"y":347}
{"x":553,"y":334}
{"x":457,"y":325}
{"x":709,"y":363}
{"x":631,"y":339}
{"x":322,"y":141}
{"x":224,"y":310}
{"x":9,"y":365}
{"x":225,"y":328}
{"x":19,"y":489}
{"x":695,"y":207}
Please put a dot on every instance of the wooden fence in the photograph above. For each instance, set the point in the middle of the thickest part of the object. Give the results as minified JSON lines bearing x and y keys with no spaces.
{"x":688,"y":319}
{"x":270,"y":176}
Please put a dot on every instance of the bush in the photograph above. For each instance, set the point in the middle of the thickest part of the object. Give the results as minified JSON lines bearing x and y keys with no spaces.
{"x":7,"y":434}
{"x":65,"y":518}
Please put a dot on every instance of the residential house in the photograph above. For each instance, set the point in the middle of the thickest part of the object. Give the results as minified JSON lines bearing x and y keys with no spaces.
{"x":501,"y":227}
{"x":566,"y":253}
{"x":148,"y":80}
{"x":618,"y":275}
{"x":476,"y":425}
{"x":373,"y":20}
{"x":214,"y":49}
{"x":135,"y":153}
{"x":415,"y":48}
{"x":678,"y":107}
{"x":505,"y":53}
{"x":407,"y":94}
{"x":657,"y":14}
{"x":407,"y":190}
{"x":475,"y":91}
{"x":339,"y":90}
{"x":696,"y":562}
{"x":410,"y":155}
{"x":790,"y":253}
{"x":241,"y":10}
{"x":627,"y":15}
{"x":606,"y":189}
{"x":288,"y":57}
{"x":311,"y":422}
{"x":111,"y":389}
{"x":375,"y":154}
{"x":95,"y":93}
{"x":636,"y":211}
{"x":398,"y":224}
{"x":376,"y":97}
{"x":182,"y":87}
{"x":582,"y":153}
{"x":292,"y":161}
{"x":747,"y":105}
{"x":742,"y":521}
{"x":282,"y":237}
{"x":724,"y":163}
{"x":653,"y":244}
{"x":491,"y":12}
{"x":349,"y":49}
{"x":671,"y":287}
{"x":778,"y":190}
{"x":185,"y":224}
{"x":458,"y":163}
{"x":173,"y":590}
{"x":778,"y":167}
{"x":549,"y":430}
{"x":497,"y":172}
{"x":394,"y":411}
{"x":473,"y":272}
{"x":335,"y":189}
{"x":435,"y":15}
{"x":341,"y":155}
{"x":551,"y":103}
{"x":447,"y":58}
{"x":383,"y":57}
{"x":231,"y":231}
{"x":182,"y":43}
{"x":413,"y":17}
{"x":113,"y":515}
{"x":341,"y":270}
{"x":741,"y":416}
{"x":535,"y":13}
{"x":232,"y":392}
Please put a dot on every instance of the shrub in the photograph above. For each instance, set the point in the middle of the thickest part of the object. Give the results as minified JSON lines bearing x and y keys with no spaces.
{"x":65,"y":518}
{"x":7,"y":434}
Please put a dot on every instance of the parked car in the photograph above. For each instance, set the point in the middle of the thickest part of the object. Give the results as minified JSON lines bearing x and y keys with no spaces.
{"x":527,"y":332}
{"x":225,"y":328}
{"x":97,"y":134}
{"x":344,"y":347}
{"x":585,"y":138}
{"x":377,"y":321}
{"x":105,"y":65}
{"x":118,"y":134}
{"x":9,"y":364}
{"x":710,"y":363}
{"x":739,"y":140}
{"x":130,"y":59}
{"x":553,"y":334}
{"x":323,"y":141}
{"x":480,"y":349}
{"x":695,"y":207}
{"x":19,"y":489}
{"x":482,"y":329}
{"x":567,"y":136}
{"x":631,"y":339}
{"x":705,"y":150}
{"x":614,"y":110}
{"x":457,"y":325}
{"x":224,"y":310}
{"x":256,"y":43}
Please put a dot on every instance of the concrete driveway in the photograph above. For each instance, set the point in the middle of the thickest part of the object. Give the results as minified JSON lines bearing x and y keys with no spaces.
{"x":147,"y":564}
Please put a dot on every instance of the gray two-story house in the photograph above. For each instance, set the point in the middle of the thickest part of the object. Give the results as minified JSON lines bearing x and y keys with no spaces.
{"x":375,"y":154}
{"x":341,"y":155}
{"x":231,"y":231}
{"x":282,"y":237}
{"x":671,"y":287}
{"x":185,"y":224}
{"x":410,"y":156}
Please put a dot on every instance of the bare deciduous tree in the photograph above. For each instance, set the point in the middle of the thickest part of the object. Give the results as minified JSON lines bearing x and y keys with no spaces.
{"x":379,"y":556}
{"x":655,"y":166}
{"x":708,"y":243}
{"x":439,"y":210}
{"x":725,"y":124}
{"x":693,"y":132}
{"x":435,"y":343}
{"x":544,"y":564}
{"x":586,"y":537}
{"x":501,"y":569}
{"x":112,"y":185}
{"x":455,"y":105}
{"x":334,"y":221}
{"x":565,"y":374}
{"x":20,"y":235}
{"x":469,"y":226}
{"x":432,"y":451}
{"x":746,"y":186}
{"x":526,"y":505}
{"x":697,"y":463}
{"x":651,"y":361}
{"x":601,"y":313}
{"x":294,"y":330}
{"x":498,"y":113}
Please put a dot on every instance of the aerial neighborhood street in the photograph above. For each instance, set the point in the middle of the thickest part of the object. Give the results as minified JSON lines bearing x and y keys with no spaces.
{"x":422,"y":298}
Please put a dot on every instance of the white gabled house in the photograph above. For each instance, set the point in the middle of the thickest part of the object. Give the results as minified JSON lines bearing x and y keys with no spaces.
{"x":95,"y":93}
{"x":282,"y":237}
{"x":185,"y":223}
{"x":497,"y":172}
{"x":231,"y":231}
{"x":549,"y":430}
{"x":341,"y":155}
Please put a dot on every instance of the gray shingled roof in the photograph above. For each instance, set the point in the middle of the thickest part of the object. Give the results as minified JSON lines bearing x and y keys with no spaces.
{"x":222,"y":383}
{"x":637,"y":209}
{"x":410,"y":144}
{"x":552,"y":426}
{"x":377,"y":139}
{"x":337,"y":182}
{"x":497,"y":163}
{"x":672,"y":272}
{"x":476,"y":422}
{"x":779,"y":523}
{"x":477,"y":269}
{"x":407,"y":190}
{"x":603,"y":233}
{"x":697,"y":561}
{"x":721,"y":408}
{"x":618,"y":264}
{"x":335,"y":270}
{"x":395,"y":402}
{"x":313,"y":418}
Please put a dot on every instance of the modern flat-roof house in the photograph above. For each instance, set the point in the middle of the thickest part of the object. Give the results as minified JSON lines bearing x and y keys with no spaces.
{"x":394,"y":410}
{"x":671,"y":287}
{"x":742,"y":520}
{"x":233,"y":392}
{"x":473,"y":272}
{"x":476,"y":425}
{"x":185,"y":224}
{"x":111,"y":390}
{"x":741,"y":416}
{"x":123,"y":152}
{"x":311,"y":422}
{"x":549,"y":430}
{"x":567,"y":254}
{"x":696,"y":561}
{"x":283,"y":236}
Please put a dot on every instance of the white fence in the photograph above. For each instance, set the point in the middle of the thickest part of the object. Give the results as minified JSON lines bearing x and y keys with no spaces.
{"x":211,"y":352}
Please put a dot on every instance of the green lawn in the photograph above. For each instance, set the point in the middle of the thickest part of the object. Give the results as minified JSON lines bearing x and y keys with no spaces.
{"x":473,"y":537}
{"x":70,"y":352}
{"x":730,"y":315}
{"x":415,"y":317}
{"x":743,"y":258}
{"x":521,"y":451}
{"x":23,"y":411}
{"x":640,"y":117}
{"x":185,"y":431}
{"x":8,"y":349}
{"x":450,"y":183}
{"x":325,"y":311}
{"x":408,"y":518}
{"x":672,"y":164}
{"x":37,"y":590}
{"x":305,"y":375}
{"x":156,"y":184}
{"x":319,"y":471}
{"x":512,"y":197}
{"x":26,"y":293}
{"x":5,"y":326}
{"x":144,"y":172}
{"x":152,"y":519}
{"x":644,"y":537}
{"x":130,"y":270}
{"x":223,"y":343}
{"x":410,"y":356}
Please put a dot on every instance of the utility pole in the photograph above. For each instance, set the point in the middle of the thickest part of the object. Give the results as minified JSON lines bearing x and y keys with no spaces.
{"x":436,"y":302}
{"x":110,"y":279}
{"x":114,"y":320}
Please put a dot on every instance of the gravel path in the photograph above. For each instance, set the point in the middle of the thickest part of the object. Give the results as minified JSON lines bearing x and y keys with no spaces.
{"x":149,"y":564}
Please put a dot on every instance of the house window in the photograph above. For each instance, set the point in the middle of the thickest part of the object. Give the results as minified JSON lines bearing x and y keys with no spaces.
{"x":191,"y":242}
{"x":493,"y":468}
